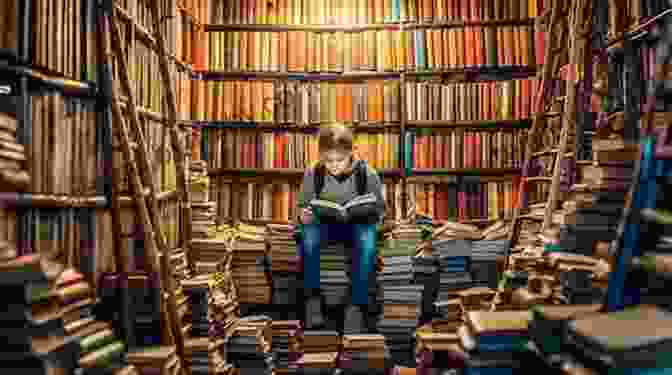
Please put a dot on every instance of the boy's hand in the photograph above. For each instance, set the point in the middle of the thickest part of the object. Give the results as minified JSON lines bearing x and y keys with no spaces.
{"x":307,"y":216}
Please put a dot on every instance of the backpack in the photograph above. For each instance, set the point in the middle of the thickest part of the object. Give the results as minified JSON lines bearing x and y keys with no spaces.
{"x":359,"y":172}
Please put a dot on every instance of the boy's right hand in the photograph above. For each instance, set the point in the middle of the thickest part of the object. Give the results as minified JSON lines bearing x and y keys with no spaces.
{"x":307,"y":216}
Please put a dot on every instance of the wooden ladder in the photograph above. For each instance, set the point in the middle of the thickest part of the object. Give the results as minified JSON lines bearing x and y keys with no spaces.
{"x":563,"y":15}
{"x":140,"y":178}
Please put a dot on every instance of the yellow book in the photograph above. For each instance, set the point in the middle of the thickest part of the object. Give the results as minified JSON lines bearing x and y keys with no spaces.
{"x":380,"y":50}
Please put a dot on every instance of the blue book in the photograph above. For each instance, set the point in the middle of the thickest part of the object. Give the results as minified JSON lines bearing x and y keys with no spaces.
{"x":420,"y":57}
{"x":396,"y":10}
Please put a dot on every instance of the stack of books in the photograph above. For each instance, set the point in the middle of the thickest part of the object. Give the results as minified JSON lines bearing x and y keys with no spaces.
{"x":197,"y":355}
{"x":425,"y":273}
{"x":635,"y":340}
{"x":199,"y":181}
{"x":32,"y":328}
{"x":364,"y":354}
{"x":476,"y":299}
{"x":13,"y":175}
{"x":203,"y":216}
{"x":161,"y":360}
{"x":335,"y":263}
{"x":146,"y":305}
{"x":483,"y":262}
{"x":449,"y":311}
{"x":248,"y":348}
{"x":437,"y":350}
{"x":249,"y":257}
{"x":283,"y":251}
{"x":286,"y":342}
{"x":497,"y":339}
{"x":549,"y":323}
{"x":222,"y":304}
{"x":453,"y":255}
{"x":577,"y":288}
{"x":197,"y":291}
{"x":211,"y":254}
{"x":179,"y":265}
{"x":100,"y":347}
{"x":320,"y":351}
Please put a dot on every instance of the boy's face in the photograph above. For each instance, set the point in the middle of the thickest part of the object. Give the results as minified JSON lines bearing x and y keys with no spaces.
{"x":336,"y":161}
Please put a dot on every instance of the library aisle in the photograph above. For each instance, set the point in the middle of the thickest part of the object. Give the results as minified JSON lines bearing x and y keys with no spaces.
{"x":153,"y":155}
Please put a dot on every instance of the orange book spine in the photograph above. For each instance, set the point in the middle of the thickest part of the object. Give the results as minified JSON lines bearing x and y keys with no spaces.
{"x":348,"y":103}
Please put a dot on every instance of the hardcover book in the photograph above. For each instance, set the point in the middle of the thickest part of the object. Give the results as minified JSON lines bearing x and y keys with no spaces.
{"x":360,"y":206}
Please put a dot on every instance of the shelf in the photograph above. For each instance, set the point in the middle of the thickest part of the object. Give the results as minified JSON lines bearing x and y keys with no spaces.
{"x":223,"y":75}
{"x":493,"y":124}
{"x":458,"y":74}
{"x":312,"y":127}
{"x":394,"y":25}
{"x":288,"y":172}
{"x":466,"y":171}
{"x":36,"y":200}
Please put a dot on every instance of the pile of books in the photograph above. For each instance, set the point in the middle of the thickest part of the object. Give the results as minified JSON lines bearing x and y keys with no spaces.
{"x":145,"y":303}
{"x":364,"y":354}
{"x":155,"y":360}
{"x":283,"y":259}
{"x":335,"y":262}
{"x":549,"y":325}
{"x":425,"y":273}
{"x":249,"y":347}
{"x":13,"y":175}
{"x":475,"y":299}
{"x":203,"y":216}
{"x":249,"y":247}
{"x":199,"y":181}
{"x":452,"y":255}
{"x":32,"y":327}
{"x":100,"y":347}
{"x":320,"y":351}
{"x":286,"y":342}
{"x":179,"y":264}
{"x":437,"y":350}
{"x":485,"y":255}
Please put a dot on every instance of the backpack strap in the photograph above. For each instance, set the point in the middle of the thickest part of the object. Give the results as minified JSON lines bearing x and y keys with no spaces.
{"x":360,"y":178}
{"x":318,"y":179}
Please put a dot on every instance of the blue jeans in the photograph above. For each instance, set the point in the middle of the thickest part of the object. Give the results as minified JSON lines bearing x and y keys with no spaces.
{"x":363,"y":239}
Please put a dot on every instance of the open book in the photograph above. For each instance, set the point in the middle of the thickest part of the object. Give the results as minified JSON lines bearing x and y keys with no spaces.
{"x":359,"y":207}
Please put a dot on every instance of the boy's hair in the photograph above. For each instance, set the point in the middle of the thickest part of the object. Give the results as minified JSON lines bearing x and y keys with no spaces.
{"x":335,"y":136}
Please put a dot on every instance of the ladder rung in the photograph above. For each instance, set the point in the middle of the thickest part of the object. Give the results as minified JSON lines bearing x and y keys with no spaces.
{"x":531,"y":217}
{"x":132,"y":145}
{"x":539,"y":179}
{"x":545,"y":152}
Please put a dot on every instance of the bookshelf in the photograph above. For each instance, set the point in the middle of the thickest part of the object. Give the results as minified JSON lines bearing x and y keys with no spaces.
{"x":319,"y":63}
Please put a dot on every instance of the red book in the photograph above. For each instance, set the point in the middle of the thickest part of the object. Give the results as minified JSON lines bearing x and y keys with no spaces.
{"x":539,"y":47}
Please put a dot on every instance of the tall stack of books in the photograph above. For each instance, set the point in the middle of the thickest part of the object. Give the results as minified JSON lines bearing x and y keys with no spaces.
{"x":35,"y":340}
{"x":223,"y":304}
{"x":335,"y":265}
{"x":285,"y":282}
{"x":549,"y":325}
{"x":401,"y":298}
{"x":155,"y":360}
{"x":485,"y":255}
{"x":197,"y":355}
{"x":425,"y":273}
{"x":286,"y":342}
{"x":249,"y":252}
{"x":364,"y":354}
{"x":320,"y":351}
{"x":249,"y":346}
{"x":440,"y":350}
{"x":453,"y":255}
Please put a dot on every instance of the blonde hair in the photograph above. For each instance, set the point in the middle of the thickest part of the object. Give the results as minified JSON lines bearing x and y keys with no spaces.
{"x":335,"y":136}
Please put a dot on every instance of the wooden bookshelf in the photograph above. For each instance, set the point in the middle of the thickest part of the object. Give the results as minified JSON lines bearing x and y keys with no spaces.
{"x":488,"y":124}
{"x":222,"y":75}
{"x":288,"y":172}
{"x":269,"y":125}
{"x":466,"y":171}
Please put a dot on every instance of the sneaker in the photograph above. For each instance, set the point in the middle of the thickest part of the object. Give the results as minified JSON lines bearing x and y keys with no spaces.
{"x":354,"y":320}
{"x":314,"y":317}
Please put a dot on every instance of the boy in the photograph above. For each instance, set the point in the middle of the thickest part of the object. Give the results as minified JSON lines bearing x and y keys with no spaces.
{"x":342,"y":178}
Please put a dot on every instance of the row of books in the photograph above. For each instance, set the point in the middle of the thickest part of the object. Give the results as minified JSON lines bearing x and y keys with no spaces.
{"x":245,"y":148}
{"x":9,"y":28}
{"x":277,"y":202}
{"x":142,"y":61}
{"x":464,"y":148}
{"x":64,"y":37}
{"x":159,"y":152}
{"x":466,"y":199}
{"x":479,"y":101}
{"x":299,"y":102}
{"x":13,"y":174}
{"x":326,"y":12}
{"x":382,"y":50}
{"x":63,"y":147}
{"x":176,"y":26}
